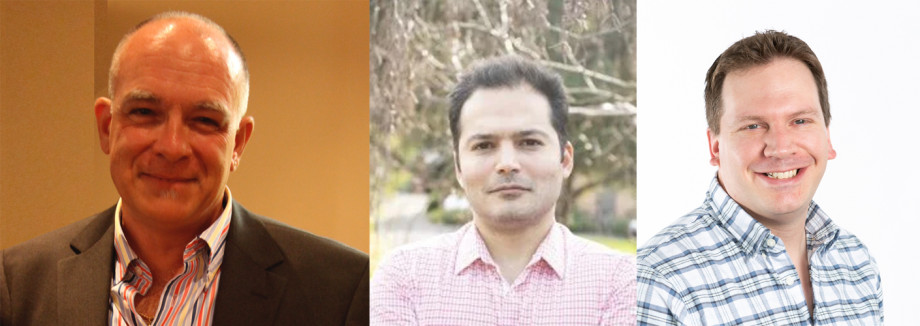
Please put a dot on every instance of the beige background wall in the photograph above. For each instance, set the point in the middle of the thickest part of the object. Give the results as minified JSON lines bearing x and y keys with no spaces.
{"x":306,"y":164}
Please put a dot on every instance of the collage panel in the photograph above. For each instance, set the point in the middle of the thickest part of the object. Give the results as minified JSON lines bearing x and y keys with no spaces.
{"x":483,"y":211}
{"x":171,"y":147}
{"x":724,"y":245}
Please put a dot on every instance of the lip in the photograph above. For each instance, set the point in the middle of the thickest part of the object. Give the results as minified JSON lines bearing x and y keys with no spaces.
{"x":782,"y":182}
{"x":508,"y":189}
{"x":167,"y":179}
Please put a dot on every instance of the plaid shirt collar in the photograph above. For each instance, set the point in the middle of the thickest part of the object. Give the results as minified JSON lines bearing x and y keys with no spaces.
{"x":472,"y":248}
{"x":820,"y":231}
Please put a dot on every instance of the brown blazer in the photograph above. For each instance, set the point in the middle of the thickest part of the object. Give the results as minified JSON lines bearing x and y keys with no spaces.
{"x":272,"y":274}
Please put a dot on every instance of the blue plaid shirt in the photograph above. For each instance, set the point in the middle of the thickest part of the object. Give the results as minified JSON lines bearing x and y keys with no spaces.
{"x":719,"y":266}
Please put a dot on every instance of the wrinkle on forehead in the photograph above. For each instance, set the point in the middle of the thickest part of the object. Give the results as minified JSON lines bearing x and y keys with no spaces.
{"x":193,"y":40}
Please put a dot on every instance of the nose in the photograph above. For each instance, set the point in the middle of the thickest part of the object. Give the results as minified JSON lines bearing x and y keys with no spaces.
{"x":507,"y":160}
{"x":779,"y":143}
{"x":172,"y":141}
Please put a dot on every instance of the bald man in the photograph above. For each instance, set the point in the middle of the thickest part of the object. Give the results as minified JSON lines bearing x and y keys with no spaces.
{"x":176,"y":249}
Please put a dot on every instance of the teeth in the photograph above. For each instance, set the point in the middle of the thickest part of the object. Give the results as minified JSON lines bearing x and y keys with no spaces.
{"x":783,"y":175}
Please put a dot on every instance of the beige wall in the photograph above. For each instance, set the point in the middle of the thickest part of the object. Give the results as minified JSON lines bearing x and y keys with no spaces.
{"x":306,"y":164}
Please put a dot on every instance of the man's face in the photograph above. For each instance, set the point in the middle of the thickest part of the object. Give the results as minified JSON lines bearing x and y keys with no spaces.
{"x":773,"y":146}
{"x":173,"y":134}
{"x":509,"y":158}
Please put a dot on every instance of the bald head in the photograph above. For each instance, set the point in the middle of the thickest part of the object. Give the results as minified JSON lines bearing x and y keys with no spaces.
{"x":197,"y":41}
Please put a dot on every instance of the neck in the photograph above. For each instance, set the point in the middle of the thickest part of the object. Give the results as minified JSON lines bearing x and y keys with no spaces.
{"x":512,"y":248}
{"x":789,"y":229}
{"x":160,"y":248}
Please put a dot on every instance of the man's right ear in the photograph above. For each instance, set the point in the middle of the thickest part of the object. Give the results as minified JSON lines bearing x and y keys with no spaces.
{"x":713,"y":147}
{"x":457,"y":171}
{"x":103,"y":110}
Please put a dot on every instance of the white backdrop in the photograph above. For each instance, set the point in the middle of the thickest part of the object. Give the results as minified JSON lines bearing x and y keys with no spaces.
{"x":871,"y":57}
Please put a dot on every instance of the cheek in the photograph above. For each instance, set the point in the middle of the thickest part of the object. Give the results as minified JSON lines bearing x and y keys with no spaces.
{"x":738,"y":153}
{"x":474,"y":167}
{"x":130,"y":142}
{"x":214,"y":152}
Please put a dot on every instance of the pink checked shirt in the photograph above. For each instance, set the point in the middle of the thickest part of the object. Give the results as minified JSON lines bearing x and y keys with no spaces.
{"x":188,"y":299}
{"x":452,"y":280}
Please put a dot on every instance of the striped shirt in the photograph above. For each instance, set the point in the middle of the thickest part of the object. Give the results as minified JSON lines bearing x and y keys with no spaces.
{"x":453,"y":280}
{"x":719,"y":266}
{"x":188,"y":298}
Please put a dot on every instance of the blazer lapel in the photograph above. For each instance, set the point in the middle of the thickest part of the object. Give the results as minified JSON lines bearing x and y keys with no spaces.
{"x":248,"y":292}
{"x":85,"y":278}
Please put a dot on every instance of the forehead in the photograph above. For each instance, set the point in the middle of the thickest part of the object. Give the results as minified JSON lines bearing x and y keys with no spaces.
{"x":505,"y":110}
{"x":177,"y":52}
{"x":782,"y":86}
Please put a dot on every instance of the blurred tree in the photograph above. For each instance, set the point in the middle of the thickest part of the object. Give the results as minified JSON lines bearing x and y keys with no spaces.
{"x":419,"y":49}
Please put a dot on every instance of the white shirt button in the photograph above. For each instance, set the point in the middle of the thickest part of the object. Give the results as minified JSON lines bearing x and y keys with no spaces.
{"x":790,"y":280}
{"x":771,"y":243}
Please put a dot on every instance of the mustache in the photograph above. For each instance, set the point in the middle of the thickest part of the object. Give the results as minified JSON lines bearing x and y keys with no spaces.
{"x":506,"y":182}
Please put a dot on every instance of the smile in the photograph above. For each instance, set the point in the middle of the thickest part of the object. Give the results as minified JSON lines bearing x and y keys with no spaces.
{"x":782,"y":175}
{"x":168,"y":179}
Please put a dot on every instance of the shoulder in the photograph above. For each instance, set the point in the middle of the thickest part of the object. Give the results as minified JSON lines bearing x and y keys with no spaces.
{"x":440,"y":249}
{"x":587,"y":252}
{"x":853,"y":253}
{"x":47,"y":249}
{"x":689,"y":235}
{"x":302,"y":247}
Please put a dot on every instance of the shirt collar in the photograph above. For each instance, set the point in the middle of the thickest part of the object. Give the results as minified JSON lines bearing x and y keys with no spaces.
{"x":472,"y":248}
{"x":750,"y":234}
{"x":214,"y":237}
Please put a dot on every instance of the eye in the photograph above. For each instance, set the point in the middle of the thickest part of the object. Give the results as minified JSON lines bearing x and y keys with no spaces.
{"x":799,"y":121}
{"x":207,"y":121}
{"x":531,"y":143}
{"x":482,"y":146}
{"x":752,"y":126}
{"x":141,"y":112}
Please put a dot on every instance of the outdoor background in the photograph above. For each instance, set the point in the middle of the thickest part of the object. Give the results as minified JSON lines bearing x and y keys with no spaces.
{"x":304,"y":164}
{"x":419,"y":49}
{"x":869,"y":54}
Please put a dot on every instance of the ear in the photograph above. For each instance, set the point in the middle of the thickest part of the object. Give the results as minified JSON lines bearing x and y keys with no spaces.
{"x":457,"y":173}
{"x":247,"y":124}
{"x":103,"y":110}
{"x":831,"y":153}
{"x":568,"y":159}
{"x":713,"y":147}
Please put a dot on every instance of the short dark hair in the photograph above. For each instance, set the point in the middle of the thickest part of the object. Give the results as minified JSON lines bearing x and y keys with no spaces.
{"x":507,"y":72}
{"x":760,"y":49}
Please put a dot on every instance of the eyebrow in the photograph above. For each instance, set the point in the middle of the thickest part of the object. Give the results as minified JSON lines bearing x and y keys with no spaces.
{"x":212,"y":106}
{"x":517,"y":134}
{"x":145,"y":96}
{"x":799,"y":113}
{"x":141,"y":96}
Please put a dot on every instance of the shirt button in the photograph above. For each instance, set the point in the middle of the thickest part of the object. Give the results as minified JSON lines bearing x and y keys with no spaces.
{"x":771,"y":243}
{"x":790,"y":280}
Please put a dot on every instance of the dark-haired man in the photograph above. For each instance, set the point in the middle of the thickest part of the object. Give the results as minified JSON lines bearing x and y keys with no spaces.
{"x":513,"y":264}
{"x":760,"y":251}
{"x":176,"y":249}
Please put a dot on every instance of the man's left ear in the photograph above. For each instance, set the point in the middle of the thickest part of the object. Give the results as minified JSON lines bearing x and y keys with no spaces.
{"x":831,"y":153}
{"x":568,"y":159}
{"x":240,"y":140}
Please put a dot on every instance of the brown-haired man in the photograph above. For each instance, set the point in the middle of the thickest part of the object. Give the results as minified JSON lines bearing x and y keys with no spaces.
{"x":513,"y":264}
{"x":759,"y":250}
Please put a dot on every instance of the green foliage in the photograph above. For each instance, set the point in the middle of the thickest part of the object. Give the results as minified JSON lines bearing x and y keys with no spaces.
{"x":453,"y":217}
{"x":623,"y":245}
